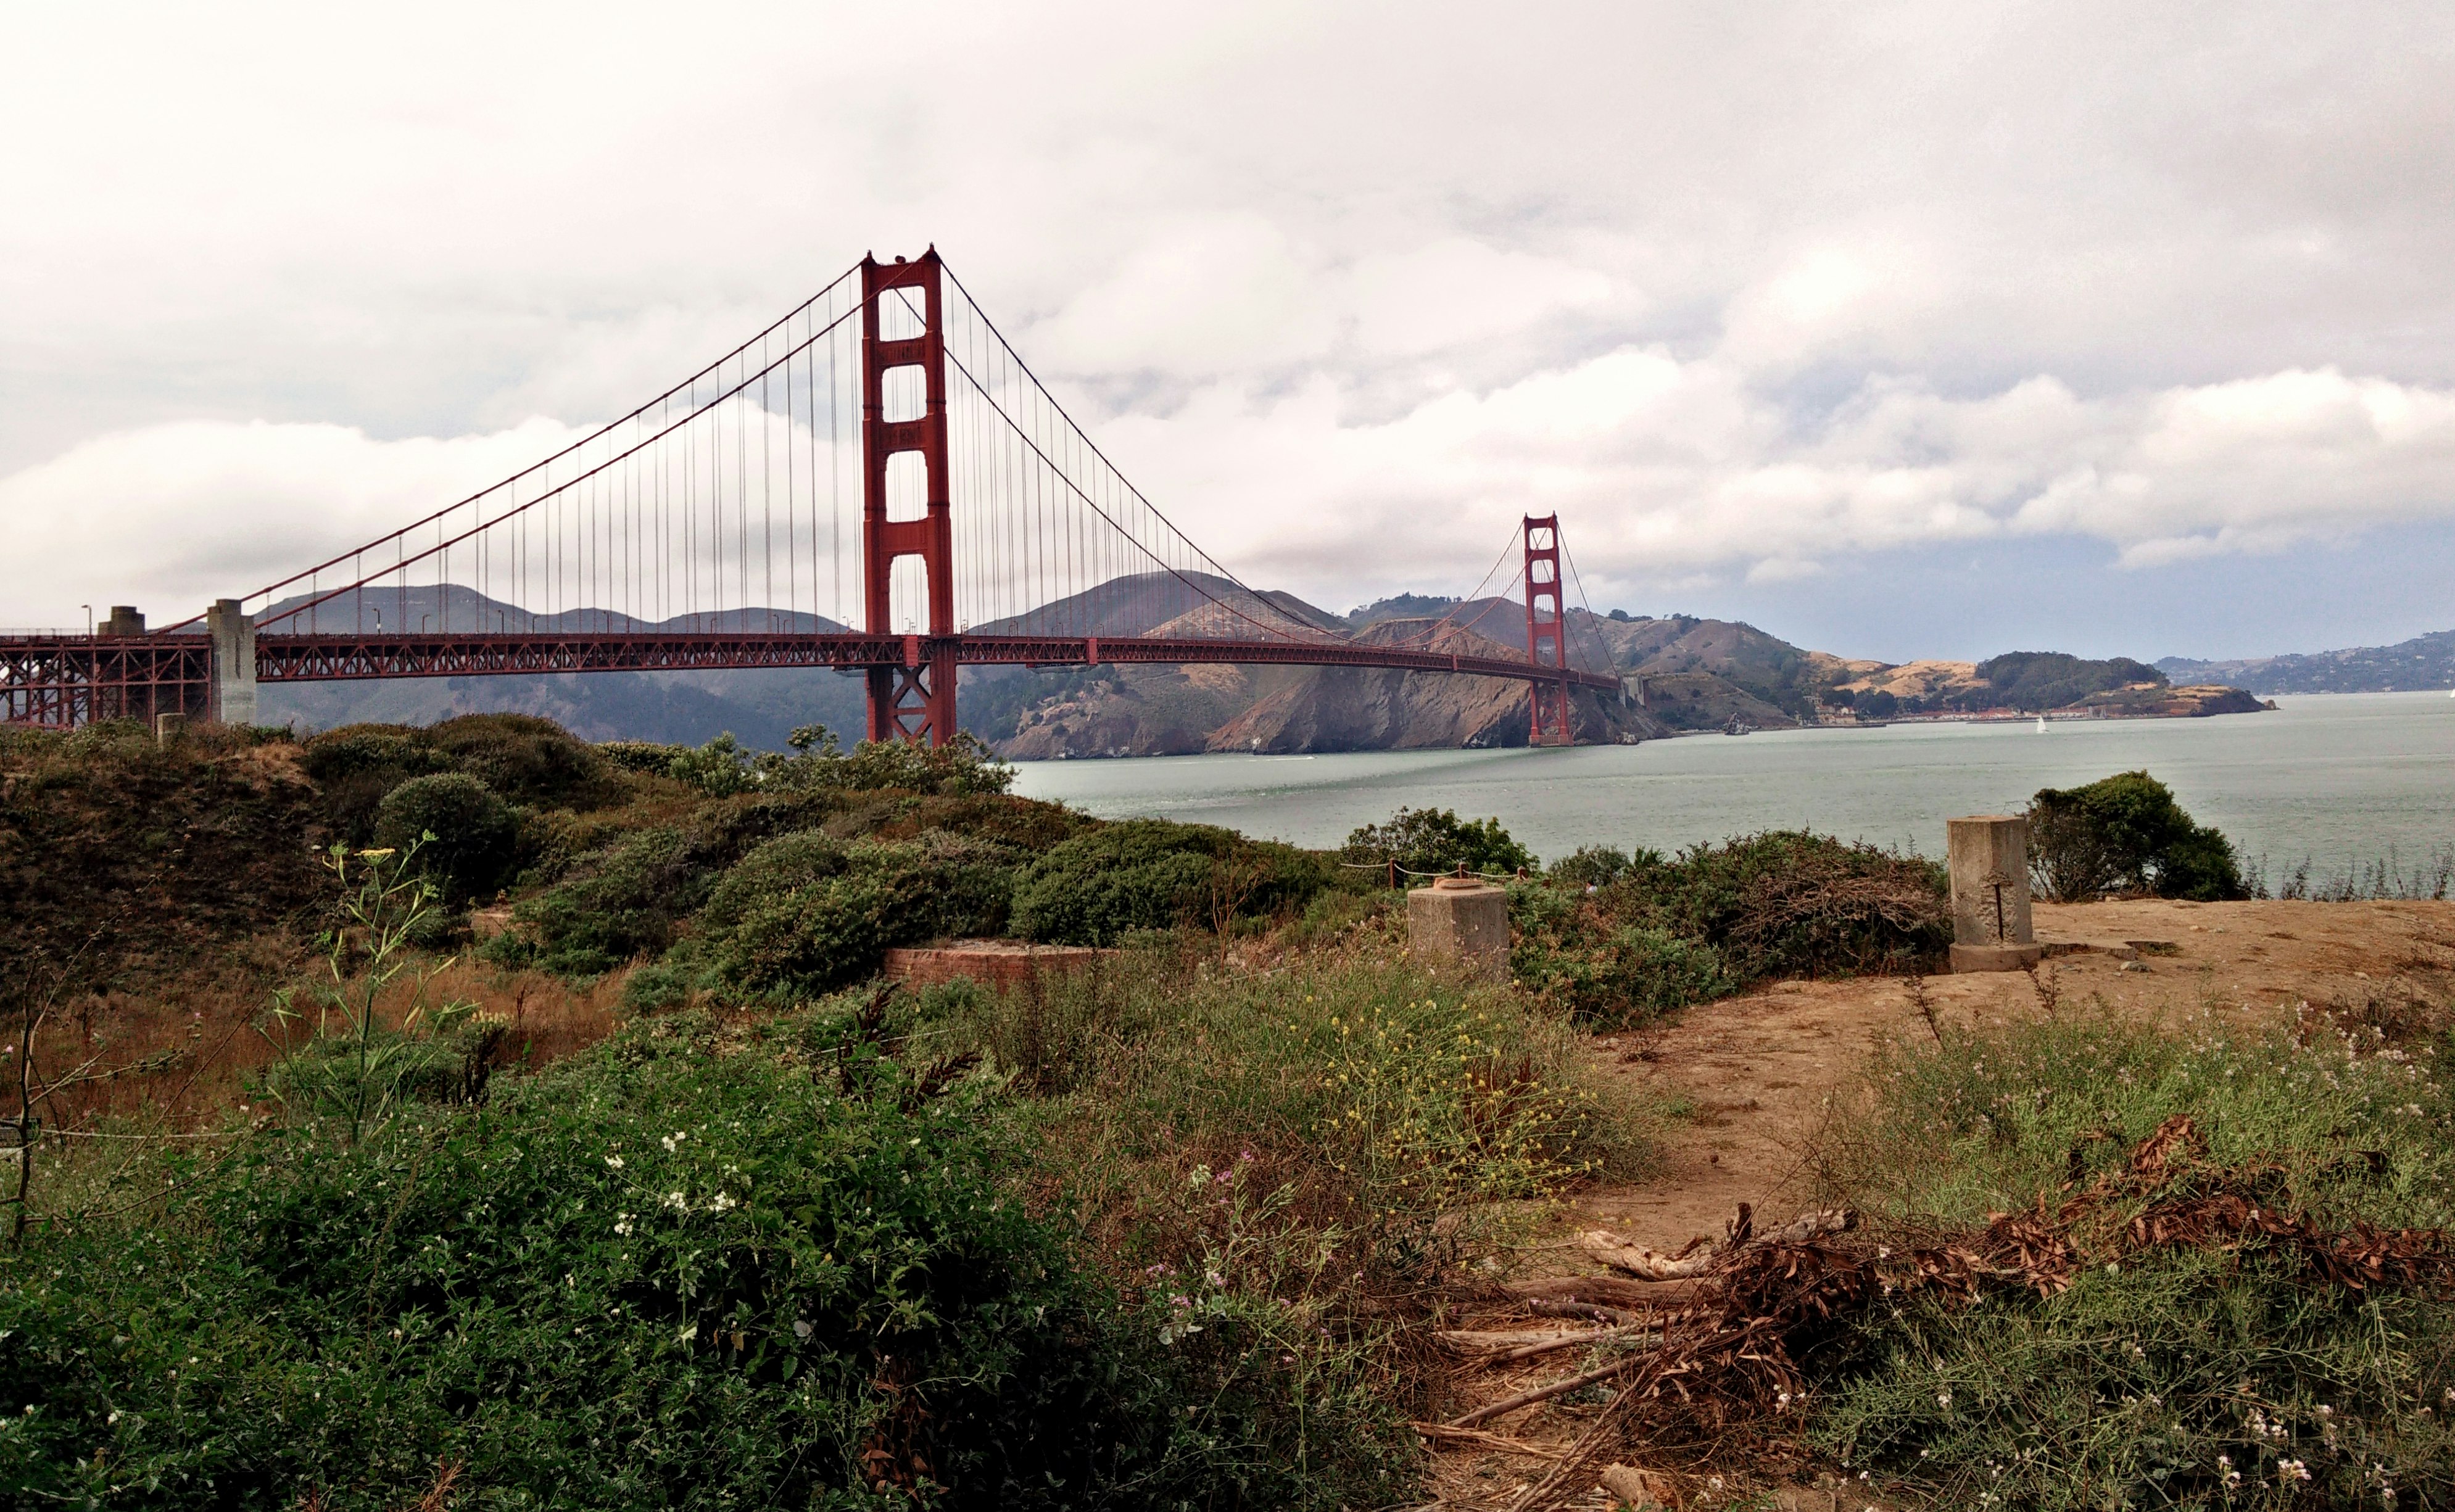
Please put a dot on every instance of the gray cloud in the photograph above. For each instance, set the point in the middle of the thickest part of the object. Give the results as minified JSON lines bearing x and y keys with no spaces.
{"x":1746,"y":293}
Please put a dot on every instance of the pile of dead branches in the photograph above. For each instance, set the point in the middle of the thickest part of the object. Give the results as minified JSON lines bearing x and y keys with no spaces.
{"x":1727,"y":1351}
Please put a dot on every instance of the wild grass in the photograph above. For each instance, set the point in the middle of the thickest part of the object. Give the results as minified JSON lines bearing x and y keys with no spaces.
{"x":181,"y":1057}
{"x":1341,"y":1123}
{"x":2198,"y":1375}
{"x":2382,"y":878}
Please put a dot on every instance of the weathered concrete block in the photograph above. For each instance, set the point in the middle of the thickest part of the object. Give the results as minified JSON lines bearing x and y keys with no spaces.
{"x":233,"y":634}
{"x":1463,"y":922}
{"x":1989,"y":855}
{"x":166,"y":727}
{"x":999,"y":964}
{"x":1995,"y":957}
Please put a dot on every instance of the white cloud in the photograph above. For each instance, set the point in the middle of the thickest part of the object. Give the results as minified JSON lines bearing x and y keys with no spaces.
{"x":1662,"y":471}
{"x":172,"y":516}
{"x":1741,"y":292}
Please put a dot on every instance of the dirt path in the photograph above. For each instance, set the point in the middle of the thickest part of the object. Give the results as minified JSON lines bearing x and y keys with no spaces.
{"x":1758,"y":1072}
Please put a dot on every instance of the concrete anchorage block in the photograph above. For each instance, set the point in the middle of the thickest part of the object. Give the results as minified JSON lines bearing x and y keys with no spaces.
{"x":1460,"y":921}
{"x":1989,"y":855}
{"x":232,"y":636}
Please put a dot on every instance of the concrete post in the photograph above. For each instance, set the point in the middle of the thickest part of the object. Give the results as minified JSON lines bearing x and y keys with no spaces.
{"x":1460,"y":920}
{"x":166,"y":727}
{"x":233,"y":634}
{"x":1989,"y":855}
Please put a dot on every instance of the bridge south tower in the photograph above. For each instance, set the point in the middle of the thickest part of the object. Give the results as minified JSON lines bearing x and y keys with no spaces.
{"x":914,"y":701}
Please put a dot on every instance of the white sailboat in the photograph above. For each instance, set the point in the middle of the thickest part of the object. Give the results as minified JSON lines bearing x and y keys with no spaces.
{"x":2042,"y":724}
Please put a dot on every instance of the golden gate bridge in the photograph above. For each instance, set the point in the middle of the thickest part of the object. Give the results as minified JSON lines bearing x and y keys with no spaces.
{"x":823,"y":474}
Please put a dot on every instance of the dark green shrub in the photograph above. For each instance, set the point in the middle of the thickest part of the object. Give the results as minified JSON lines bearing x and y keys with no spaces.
{"x":804,"y":913}
{"x":1156,"y":874}
{"x":476,"y":834}
{"x":1598,"y":865}
{"x":1025,"y":824}
{"x":662,"y":984}
{"x":651,"y":757}
{"x":1605,"y":973}
{"x":1662,"y":934}
{"x":624,"y":904}
{"x":1428,"y":840}
{"x":629,"y":900}
{"x":2125,"y":834}
{"x":961,"y":768}
{"x":1614,"y":975}
{"x":356,"y":765}
{"x":526,"y":760}
{"x":655,"y":1276}
{"x":719,"y":769}
{"x":1791,"y":904}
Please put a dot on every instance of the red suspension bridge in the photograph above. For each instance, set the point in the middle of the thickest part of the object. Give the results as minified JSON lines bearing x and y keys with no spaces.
{"x":822,"y":473}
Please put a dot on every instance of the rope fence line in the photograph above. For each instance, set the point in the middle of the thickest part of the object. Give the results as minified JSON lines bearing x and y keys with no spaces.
{"x":1396,"y":871}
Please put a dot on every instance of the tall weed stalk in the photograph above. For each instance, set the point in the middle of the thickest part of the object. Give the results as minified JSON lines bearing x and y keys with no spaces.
{"x":353,"y":1067}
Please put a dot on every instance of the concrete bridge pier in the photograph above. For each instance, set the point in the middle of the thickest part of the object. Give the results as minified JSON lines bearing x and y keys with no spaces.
{"x":233,"y":634}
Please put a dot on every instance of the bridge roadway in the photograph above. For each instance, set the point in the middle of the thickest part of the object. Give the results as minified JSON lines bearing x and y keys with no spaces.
{"x":326,"y":659}
{"x":67,"y":679}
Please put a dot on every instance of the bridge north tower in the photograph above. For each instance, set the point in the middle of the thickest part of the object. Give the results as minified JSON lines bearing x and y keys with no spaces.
{"x":914,"y":701}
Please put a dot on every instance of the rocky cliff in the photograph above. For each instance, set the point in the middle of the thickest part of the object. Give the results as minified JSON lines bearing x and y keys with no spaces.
{"x":1170,"y":711}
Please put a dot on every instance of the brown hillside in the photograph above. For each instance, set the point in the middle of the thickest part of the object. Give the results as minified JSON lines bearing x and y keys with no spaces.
{"x":1360,"y":709}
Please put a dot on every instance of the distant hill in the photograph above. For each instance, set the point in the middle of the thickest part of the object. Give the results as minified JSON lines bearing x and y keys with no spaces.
{"x":1685,"y":674}
{"x":1172,"y":710}
{"x":1137,"y":603}
{"x":760,"y":707}
{"x":2029,"y":681}
{"x":2425,"y":663}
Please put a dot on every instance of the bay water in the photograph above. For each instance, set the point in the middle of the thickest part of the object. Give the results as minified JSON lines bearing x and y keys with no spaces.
{"x":2336,"y":779}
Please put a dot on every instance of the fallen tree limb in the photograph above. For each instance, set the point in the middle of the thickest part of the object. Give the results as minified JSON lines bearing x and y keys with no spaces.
{"x":1497,"y":1341}
{"x":1476,"y":1438}
{"x":1569,"y":1342}
{"x":1702,"y":1259}
{"x":1610,"y":1291}
{"x":1550,"y":1307}
{"x":1544,"y":1393}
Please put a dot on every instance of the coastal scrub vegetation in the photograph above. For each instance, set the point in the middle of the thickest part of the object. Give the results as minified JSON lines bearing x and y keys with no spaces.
{"x":1427,"y":841}
{"x":2243,"y":1265}
{"x":1617,"y":938}
{"x":781,"y":1235}
{"x":2126,"y":835}
{"x":745,"y":1225}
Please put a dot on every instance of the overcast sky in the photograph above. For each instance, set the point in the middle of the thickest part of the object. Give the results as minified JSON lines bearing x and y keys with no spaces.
{"x":1912,"y":330}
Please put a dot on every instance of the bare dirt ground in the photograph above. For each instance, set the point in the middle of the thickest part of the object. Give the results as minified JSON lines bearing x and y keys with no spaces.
{"x":1758,"y":1072}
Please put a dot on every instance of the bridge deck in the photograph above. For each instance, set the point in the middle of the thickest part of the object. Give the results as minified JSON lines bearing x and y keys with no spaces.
{"x":71,"y":679}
